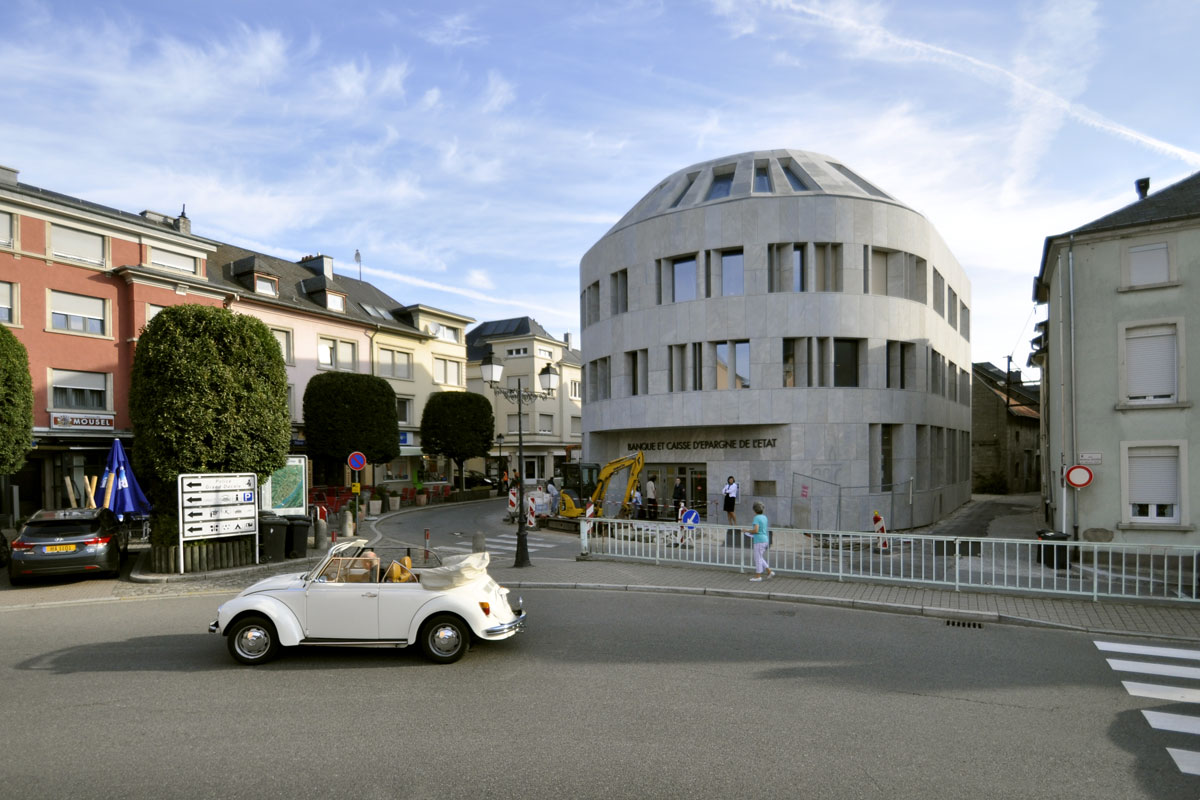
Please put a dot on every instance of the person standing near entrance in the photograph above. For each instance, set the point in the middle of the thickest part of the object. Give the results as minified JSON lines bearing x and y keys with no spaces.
{"x":761,"y":536}
{"x":731,"y":495}
{"x":678,"y":494}
{"x":651,"y":498}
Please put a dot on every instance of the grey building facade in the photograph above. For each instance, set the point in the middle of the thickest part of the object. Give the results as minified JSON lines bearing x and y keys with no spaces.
{"x":775,"y":317}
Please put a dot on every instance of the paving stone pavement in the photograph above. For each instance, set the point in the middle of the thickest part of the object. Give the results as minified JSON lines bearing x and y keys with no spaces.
{"x":1017,"y":520}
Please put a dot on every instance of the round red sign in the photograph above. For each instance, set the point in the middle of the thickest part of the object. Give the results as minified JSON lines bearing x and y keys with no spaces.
{"x":1079,"y":476}
{"x":356,"y":460}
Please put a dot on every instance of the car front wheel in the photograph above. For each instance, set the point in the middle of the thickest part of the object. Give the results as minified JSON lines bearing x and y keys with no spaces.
{"x":252,"y":640}
{"x":444,"y":639}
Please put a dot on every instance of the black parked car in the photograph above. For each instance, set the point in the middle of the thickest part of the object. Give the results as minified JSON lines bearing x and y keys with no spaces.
{"x":63,"y":541}
{"x":475,"y":479}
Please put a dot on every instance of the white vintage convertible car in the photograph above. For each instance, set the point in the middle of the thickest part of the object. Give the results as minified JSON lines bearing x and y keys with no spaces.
{"x":356,"y":597}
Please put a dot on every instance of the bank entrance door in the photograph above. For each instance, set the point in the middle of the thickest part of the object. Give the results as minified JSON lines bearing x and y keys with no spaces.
{"x":697,"y":483}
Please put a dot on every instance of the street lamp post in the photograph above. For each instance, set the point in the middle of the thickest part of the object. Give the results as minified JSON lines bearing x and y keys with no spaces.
{"x":548,"y":378}
{"x":500,"y":450}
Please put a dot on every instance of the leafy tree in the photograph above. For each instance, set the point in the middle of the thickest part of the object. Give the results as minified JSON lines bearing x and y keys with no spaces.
{"x":209,"y":394}
{"x":16,"y":403}
{"x":457,"y":425}
{"x":344,"y":412}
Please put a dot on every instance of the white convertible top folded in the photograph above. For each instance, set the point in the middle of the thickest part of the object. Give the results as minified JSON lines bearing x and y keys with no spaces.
{"x":455,"y":571}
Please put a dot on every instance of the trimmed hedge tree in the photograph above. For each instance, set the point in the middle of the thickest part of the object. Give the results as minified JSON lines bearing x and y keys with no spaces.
{"x":347,"y":411}
{"x":457,"y":425}
{"x":209,"y":394}
{"x":16,"y":403}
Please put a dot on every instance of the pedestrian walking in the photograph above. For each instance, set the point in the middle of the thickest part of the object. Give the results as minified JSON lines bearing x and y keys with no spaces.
{"x":731,"y":495}
{"x":638,"y":511}
{"x":679,"y":495}
{"x":553,"y":491}
{"x":651,"y":498}
{"x":761,"y":537}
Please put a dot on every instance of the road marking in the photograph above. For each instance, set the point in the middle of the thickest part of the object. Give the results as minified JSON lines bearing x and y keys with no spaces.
{"x":1188,"y":761}
{"x":1179,"y":723}
{"x":1152,"y":668}
{"x":1175,"y":694}
{"x":1144,"y":650}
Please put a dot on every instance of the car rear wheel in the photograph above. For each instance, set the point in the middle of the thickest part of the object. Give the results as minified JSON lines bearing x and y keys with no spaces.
{"x":252,"y":640}
{"x":444,"y":639}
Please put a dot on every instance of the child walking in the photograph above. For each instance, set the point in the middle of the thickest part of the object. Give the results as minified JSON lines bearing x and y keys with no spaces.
{"x":761,"y":537}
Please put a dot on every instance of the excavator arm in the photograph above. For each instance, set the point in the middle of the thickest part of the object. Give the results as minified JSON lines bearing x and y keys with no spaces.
{"x":634,"y":464}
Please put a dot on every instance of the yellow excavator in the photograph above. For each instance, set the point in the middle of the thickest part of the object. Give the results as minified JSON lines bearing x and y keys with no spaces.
{"x":581,"y":482}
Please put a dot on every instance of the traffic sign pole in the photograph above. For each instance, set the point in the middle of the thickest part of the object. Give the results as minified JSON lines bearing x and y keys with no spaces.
{"x":356,"y":461}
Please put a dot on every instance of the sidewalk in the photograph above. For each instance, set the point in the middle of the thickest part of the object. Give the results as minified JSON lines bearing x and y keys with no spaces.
{"x":1011,"y":517}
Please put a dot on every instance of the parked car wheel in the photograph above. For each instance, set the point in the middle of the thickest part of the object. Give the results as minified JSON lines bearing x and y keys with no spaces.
{"x":13,"y":578}
{"x":252,"y":640}
{"x":444,"y":639}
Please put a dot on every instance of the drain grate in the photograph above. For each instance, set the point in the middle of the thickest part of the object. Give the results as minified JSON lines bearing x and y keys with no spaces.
{"x":958,"y":623}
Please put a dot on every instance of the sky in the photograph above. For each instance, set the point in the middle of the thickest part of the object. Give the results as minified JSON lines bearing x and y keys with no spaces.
{"x":472,"y":152}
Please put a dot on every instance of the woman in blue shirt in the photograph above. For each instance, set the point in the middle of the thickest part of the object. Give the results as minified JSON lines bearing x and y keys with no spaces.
{"x":762,"y":537}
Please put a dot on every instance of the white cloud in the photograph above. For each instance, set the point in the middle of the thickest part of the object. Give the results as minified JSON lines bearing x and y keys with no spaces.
{"x":478,"y":279}
{"x":499,"y":93}
{"x":453,"y":31}
{"x":430,"y":100}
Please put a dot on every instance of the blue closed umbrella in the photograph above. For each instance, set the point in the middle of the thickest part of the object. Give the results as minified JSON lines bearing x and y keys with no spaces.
{"x":118,"y":489}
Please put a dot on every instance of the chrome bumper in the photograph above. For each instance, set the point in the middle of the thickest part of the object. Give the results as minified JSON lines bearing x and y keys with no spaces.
{"x":214,"y":626}
{"x":516,"y":626}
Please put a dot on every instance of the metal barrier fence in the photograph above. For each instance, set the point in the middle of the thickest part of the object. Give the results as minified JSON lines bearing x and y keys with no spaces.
{"x":1085,"y":569}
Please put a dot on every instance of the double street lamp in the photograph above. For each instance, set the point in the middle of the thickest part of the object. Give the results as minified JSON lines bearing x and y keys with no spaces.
{"x":491,"y":372}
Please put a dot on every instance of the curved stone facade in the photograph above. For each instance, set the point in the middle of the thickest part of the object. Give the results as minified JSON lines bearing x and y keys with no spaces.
{"x":775,"y":317}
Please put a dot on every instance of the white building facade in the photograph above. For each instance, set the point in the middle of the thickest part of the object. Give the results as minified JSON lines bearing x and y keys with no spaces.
{"x":774,"y":317}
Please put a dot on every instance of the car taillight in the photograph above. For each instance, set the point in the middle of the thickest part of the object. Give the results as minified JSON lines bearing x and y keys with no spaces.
{"x":486,"y":608}
{"x":19,"y":545}
{"x":95,"y":540}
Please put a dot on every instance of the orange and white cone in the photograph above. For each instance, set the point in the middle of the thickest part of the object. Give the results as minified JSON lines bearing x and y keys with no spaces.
{"x":512,"y":503}
{"x":882,"y":546}
{"x":530,"y":513}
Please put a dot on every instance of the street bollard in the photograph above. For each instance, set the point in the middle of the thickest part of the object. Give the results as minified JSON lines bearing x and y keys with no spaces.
{"x":347,"y":526}
{"x":320,"y":535}
{"x":478,"y":543}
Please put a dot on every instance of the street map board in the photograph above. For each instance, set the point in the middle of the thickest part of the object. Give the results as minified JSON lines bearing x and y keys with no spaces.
{"x":286,"y":491}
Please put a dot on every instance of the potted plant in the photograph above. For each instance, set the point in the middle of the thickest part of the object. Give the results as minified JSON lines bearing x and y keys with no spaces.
{"x":422,"y":496}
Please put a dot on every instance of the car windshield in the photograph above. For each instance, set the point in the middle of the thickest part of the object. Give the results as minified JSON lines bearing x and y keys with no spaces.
{"x":360,"y":563}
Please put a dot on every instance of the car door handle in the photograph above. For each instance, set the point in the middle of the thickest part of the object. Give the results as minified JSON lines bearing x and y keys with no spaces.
{"x":370,"y":594}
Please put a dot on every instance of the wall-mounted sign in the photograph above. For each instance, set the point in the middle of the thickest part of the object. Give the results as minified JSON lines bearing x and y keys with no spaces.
{"x":1079,"y":476}
{"x":703,"y":444}
{"x":1091,"y":458}
{"x":95,"y":422}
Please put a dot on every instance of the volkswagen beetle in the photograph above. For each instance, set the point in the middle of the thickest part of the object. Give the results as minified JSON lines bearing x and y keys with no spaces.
{"x":357,"y":597}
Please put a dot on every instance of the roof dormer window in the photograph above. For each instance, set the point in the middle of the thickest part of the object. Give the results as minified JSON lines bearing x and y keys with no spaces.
{"x":335,"y":302}
{"x":266,"y":284}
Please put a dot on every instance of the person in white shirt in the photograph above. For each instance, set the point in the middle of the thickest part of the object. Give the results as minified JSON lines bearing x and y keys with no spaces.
{"x":651,"y":499}
{"x":731,"y":494}
{"x":553,"y":491}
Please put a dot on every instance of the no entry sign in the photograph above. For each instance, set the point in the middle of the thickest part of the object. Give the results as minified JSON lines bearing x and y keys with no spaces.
{"x":356,"y":460}
{"x":1079,"y":476}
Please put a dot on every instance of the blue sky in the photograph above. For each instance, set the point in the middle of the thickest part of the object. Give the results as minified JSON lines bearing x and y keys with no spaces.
{"x":474,"y":151}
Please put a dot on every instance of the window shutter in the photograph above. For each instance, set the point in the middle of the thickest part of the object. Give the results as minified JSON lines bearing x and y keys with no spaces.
{"x":1150,"y":363}
{"x":70,"y":243}
{"x":77,"y":304}
{"x":69,"y":379}
{"x":1148,"y":264}
{"x":1154,"y":475}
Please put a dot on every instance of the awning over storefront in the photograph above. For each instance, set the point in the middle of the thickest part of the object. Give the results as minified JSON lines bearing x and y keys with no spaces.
{"x":410,"y":451}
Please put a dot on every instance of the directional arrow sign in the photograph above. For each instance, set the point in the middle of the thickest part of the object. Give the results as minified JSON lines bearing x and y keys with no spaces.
{"x":219,"y":504}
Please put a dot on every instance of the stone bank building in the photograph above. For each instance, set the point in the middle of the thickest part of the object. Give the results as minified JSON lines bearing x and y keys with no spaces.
{"x":776,"y":317}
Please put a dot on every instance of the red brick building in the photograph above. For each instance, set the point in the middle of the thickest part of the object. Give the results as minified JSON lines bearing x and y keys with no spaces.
{"x":78,"y":281}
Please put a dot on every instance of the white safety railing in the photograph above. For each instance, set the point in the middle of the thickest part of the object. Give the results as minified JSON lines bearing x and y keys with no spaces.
{"x":1087,"y":569}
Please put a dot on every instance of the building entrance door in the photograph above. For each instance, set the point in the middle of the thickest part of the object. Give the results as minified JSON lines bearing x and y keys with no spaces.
{"x":697,"y":482}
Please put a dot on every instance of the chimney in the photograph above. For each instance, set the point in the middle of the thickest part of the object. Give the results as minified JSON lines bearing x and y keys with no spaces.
{"x":320,"y":264}
{"x":567,"y":339}
{"x":182,"y":223}
{"x":8,"y":175}
{"x":1143,"y":187}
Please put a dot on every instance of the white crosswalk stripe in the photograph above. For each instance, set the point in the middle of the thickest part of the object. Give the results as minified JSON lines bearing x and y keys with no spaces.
{"x":508,"y":543}
{"x":1188,"y":761}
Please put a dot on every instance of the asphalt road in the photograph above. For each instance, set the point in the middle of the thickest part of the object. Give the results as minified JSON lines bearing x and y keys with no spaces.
{"x":606,"y":695}
{"x":453,"y":526}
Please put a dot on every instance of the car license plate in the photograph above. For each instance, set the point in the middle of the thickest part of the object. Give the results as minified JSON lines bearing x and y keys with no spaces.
{"x":59,"y":548}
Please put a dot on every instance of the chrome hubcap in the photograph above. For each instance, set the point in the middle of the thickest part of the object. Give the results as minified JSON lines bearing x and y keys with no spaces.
{"x":444,"y":639}
{"x":253,"y":642}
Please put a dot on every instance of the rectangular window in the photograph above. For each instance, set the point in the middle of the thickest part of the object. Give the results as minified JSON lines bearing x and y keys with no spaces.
{"x":723,"y":371}
{"x":165,"y":258}
{"x":76,"y":313}
{"x":762,"y":179}
{"x":789,"y":362}
{"x":334,"y":354}
{"x":291,"y":401}
{"x":347,"y":356}
{"x":697,"y":366}
{"x":845,"y":361}
{"x":327,"y":353}
{"x":732,"y":274}
{"x":964,"y":321}
{"x":78,"y":245}
{"x":395,"y":364}
{"x":574,"y":390}
{"x":576,"y":426}
{"x":688,"y":185}
{"x":544,"y":353}
{"x":513,"y":352}
{"x":446,"y":372}
{"x":797,"y":178}
{"x":513,"y":422}
{"x":445,"y":333}
{"x":545,"y":423}
{"x":619,"y":286}
{"x":952,"y":307}
{"x":741,"y":365}
{"x":152,"y":311}
{"x":827,"y":267}
{"x":1151,"y":364}
{"x":1153,"y":484}
{"x":638,"y":371}
{"x":335,"y":302}
{"x":939,"y":293}
{"x":591,"y":298}
{"x":6,"y":302}
{"x":81,"y":391}
{"x":1149,"y":264}
{"x":404,"y":406}
{"x":6,"y":229}
{"x":284,"y":337}
{"x":266,"y":285}
{"x":894,"y":378}
{"x":684,"y":280}
{"x":721,"y":186}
